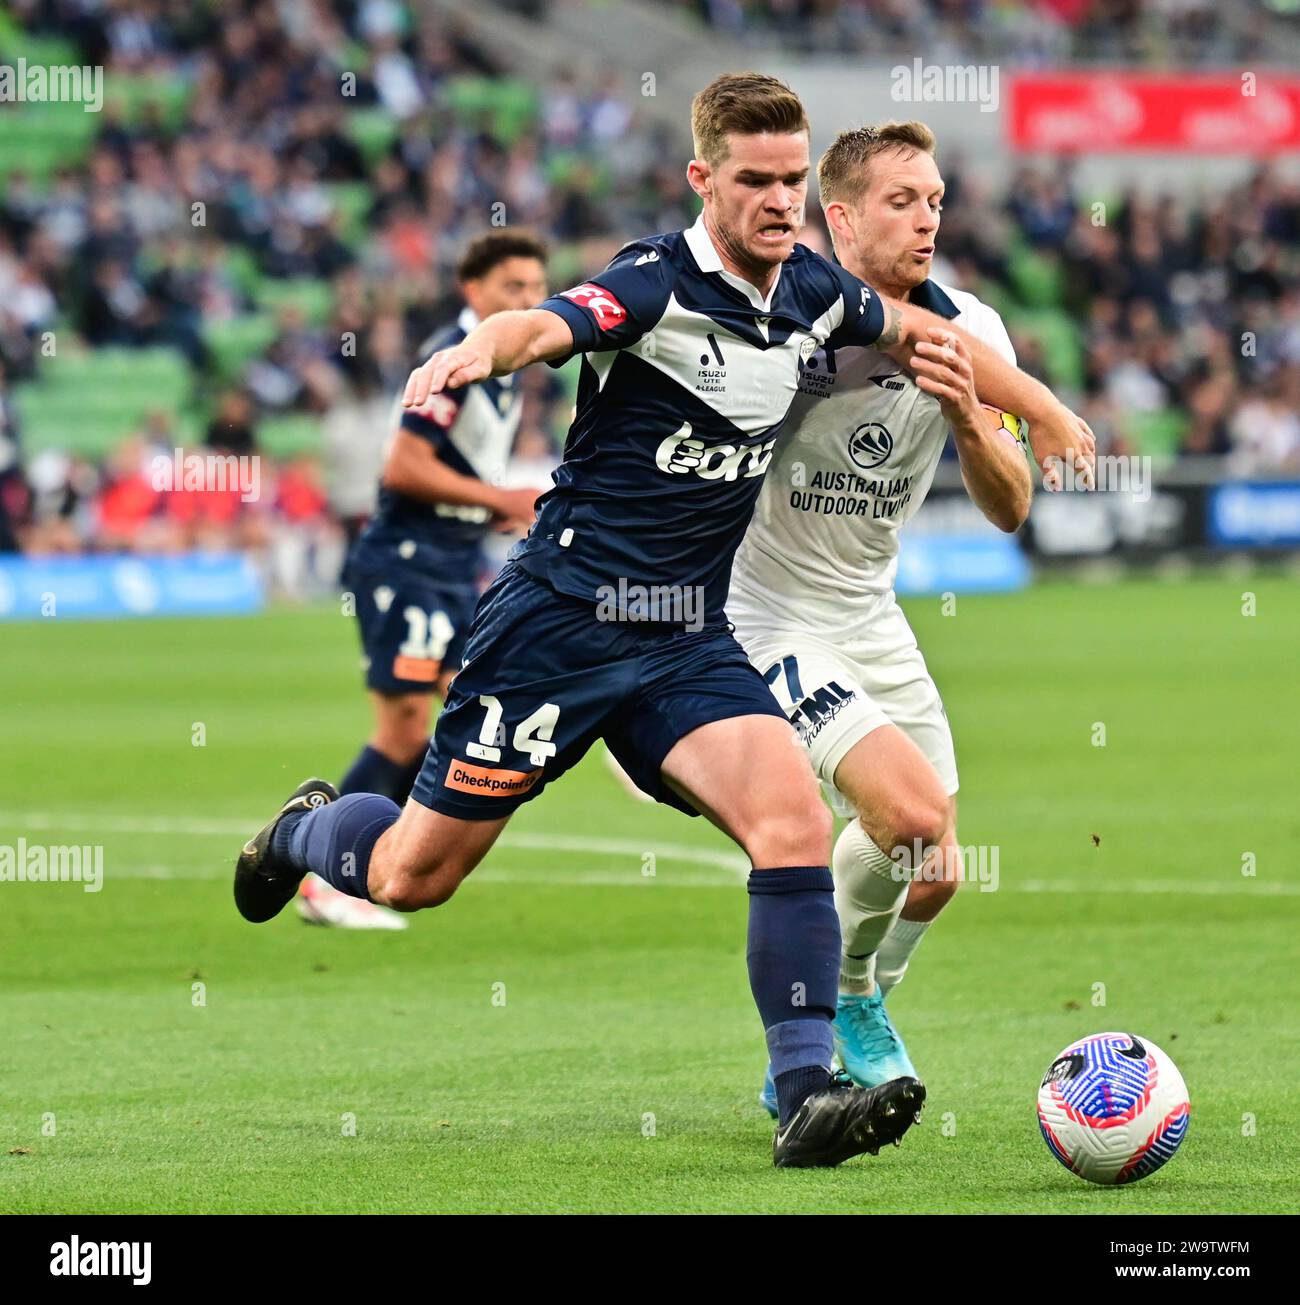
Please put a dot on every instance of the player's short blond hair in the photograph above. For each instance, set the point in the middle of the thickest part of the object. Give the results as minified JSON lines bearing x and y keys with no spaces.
{"x":747,"y":103}
{"x":844,"y":171}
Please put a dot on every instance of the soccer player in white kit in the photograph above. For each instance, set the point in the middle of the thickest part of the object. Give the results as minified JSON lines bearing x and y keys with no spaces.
{"x":812,"y":588}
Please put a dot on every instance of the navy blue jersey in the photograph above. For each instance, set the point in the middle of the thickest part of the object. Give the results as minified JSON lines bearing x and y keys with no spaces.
{"x":688,"y":373}
{"x":471,"y":429}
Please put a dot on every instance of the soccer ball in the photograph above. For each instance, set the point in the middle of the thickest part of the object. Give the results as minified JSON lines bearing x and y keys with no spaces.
{"x":1113,"y":1108}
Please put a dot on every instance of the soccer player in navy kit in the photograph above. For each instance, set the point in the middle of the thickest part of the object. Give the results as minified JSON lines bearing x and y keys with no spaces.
{"x":413,"y":572}
{"x":414,"y":569}
{"x":691,"y":347}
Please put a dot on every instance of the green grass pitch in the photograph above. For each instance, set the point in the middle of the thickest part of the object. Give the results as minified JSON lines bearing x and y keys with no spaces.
{"x":574,"y":1033}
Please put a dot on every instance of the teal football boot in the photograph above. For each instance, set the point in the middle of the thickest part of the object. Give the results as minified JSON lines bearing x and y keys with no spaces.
{"x":867,"y":1043}
{"x":767,"y":1097}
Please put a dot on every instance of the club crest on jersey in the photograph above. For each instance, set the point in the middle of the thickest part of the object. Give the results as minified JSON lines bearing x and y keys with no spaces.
{"x":870,"y":445}
{"x":607,"y":311}
{"x":681,"y":454}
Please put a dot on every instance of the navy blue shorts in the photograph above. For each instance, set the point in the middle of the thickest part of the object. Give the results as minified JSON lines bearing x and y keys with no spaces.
{"x":543,"y":679}
{"x":412,"y":627}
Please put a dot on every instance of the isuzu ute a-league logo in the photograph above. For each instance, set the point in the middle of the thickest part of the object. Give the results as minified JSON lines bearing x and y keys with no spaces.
{"x":870,"y":445}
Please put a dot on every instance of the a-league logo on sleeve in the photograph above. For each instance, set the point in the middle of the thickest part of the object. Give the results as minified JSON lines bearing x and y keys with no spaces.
{"x":607,"y":311}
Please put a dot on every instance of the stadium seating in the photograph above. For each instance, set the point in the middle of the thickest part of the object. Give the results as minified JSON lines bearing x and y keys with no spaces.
{"x":88,"y":401}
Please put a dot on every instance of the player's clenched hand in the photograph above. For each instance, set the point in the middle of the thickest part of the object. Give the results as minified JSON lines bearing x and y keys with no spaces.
{"x":448,"y":369}
{"x":942,"y":366}
{"x":1060,"y":439}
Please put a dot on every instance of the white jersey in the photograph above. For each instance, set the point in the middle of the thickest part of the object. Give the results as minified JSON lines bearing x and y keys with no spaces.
{"x":852,"y":467}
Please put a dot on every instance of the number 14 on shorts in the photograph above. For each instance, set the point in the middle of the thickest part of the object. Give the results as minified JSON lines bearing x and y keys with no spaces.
{"x":532,"y":735}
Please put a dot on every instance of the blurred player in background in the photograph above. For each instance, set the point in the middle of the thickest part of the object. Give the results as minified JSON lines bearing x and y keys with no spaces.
{"x":414,"y":570}
{"x":812,"y":589}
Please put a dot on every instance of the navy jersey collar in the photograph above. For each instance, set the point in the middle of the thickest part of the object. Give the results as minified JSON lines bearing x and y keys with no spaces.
{"x":929,"y":295}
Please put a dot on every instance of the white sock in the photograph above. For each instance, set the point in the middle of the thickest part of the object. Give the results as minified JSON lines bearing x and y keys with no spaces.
{"x":870,"y":890}
{"x":903,"y":938}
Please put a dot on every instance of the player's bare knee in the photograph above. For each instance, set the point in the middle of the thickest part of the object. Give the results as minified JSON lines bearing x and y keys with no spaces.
{"x":918,"y":822}
{"x":796,"y":833}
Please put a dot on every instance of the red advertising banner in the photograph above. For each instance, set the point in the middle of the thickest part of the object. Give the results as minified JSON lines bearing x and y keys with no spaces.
{"x":1104,"y":112}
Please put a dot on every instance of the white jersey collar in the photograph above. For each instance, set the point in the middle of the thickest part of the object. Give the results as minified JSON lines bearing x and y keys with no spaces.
{"x":707,"y":259}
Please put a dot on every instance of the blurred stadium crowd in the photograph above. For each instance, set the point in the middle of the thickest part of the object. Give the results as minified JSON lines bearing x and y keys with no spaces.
{"x":243,"y":251}
{"x":1141,"y":32}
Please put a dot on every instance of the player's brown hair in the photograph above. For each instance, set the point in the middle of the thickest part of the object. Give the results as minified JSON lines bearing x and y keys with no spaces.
{"x":747,"y":103}
{"x":844,"y":171}
{"x":486,"y":251}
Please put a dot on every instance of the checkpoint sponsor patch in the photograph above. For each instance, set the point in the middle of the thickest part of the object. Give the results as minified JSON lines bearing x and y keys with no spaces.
{"x":465,"y":777}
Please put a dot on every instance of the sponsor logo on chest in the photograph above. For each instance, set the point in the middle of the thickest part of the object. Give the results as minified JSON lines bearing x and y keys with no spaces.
{"x":683,"y":454}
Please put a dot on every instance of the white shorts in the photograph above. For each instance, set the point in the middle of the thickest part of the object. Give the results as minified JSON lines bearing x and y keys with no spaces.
{"x":840,"y":686}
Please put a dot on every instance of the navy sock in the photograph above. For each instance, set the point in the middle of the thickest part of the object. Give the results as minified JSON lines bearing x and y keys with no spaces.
{"x":335,"y":841}
{"x":373,"y":772}
{"x":794,"y":964}
{"x":795,"y":1086}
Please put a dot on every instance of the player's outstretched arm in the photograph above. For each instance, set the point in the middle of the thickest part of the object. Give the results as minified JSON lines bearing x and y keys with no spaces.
{"x":504,"y":343}
{"x":918,"y":340}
